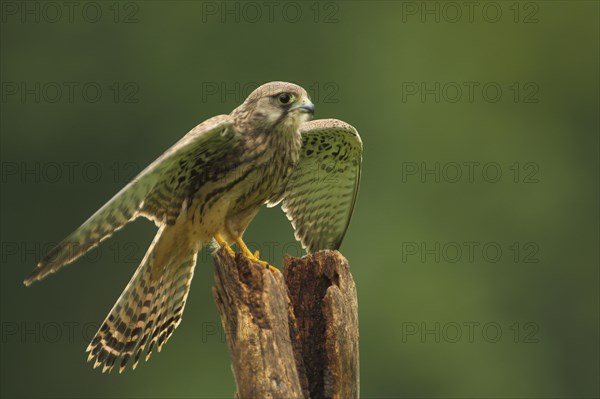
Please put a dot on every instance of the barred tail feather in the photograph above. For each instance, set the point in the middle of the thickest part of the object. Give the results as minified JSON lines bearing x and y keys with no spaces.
{"x":166,"y":313}
{"x":148,"y":310}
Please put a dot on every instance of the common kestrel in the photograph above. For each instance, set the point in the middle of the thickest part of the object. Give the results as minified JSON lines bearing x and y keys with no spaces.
{"x":210,"y":185}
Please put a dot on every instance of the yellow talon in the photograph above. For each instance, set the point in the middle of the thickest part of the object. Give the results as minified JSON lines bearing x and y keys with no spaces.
{"x":221,"y":241}
{"x":253,"y":256}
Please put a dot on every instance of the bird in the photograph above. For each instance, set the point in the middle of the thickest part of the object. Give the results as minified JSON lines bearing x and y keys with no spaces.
{"x":206,"y":189}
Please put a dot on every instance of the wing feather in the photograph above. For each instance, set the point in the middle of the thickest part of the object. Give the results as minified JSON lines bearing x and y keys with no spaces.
{"x":320,"y":196}
{"x":147,"y":195}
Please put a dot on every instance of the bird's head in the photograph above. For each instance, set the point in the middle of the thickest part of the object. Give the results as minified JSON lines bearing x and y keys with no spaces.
{"x":276,"y":105}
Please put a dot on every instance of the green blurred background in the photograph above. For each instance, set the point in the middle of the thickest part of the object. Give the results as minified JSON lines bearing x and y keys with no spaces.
{"x":515,"y":317}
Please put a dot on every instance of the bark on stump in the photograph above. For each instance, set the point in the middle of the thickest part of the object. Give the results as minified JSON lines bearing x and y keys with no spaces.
{"x":291,"y":335}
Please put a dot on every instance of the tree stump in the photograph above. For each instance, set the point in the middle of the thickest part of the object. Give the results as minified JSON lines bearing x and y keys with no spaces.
{"x":291,"y":335}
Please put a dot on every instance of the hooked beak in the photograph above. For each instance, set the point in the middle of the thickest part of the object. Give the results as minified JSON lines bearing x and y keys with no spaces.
{"x":305,"y":106}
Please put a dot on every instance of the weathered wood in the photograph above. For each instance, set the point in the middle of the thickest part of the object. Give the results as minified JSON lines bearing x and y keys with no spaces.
{"x":299,"y":341}
{"x":323,"y":295}
{"x":254,"y":310}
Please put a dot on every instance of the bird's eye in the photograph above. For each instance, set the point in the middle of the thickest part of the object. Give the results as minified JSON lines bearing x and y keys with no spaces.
{"x":285,"y":98}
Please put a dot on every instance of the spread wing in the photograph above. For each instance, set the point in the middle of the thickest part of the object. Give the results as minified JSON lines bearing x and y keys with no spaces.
{"x":149,"y":194}
{"x":320,"y":195}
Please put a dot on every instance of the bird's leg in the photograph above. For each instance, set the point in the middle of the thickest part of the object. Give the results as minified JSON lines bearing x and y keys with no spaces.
{"x":221,"y":241}
{"x":253,"y":256}
{"x":245,"y":250}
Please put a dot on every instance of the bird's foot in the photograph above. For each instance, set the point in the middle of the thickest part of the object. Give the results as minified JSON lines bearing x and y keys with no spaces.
{"x":223,"y":244}
{"x":255,"y":257}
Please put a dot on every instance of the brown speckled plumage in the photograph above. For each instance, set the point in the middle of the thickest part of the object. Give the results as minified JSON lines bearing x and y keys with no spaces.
{"x":211,"y":184}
